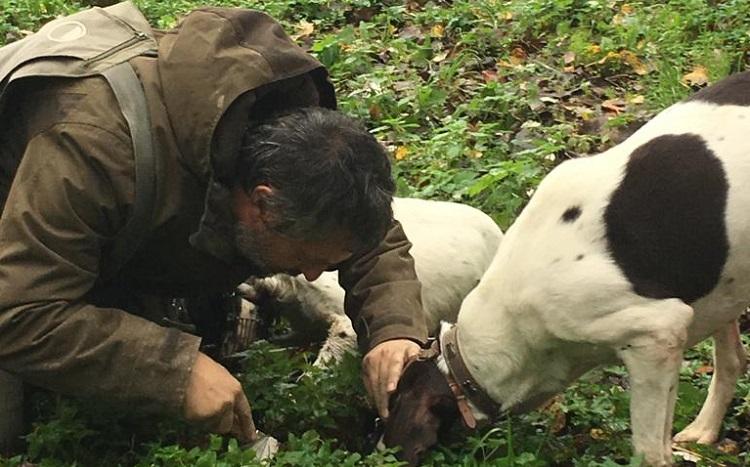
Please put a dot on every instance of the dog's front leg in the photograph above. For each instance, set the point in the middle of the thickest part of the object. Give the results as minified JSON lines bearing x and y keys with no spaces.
{"x":730,"y":361}
{"x":653,"y":356}
{"x":650,"y":340}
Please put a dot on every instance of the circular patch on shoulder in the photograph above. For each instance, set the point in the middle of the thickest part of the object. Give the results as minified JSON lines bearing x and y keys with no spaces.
{"x":66,"y":31}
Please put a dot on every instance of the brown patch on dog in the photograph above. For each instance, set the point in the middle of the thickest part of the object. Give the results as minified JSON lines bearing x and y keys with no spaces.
{"x":422,"y":408}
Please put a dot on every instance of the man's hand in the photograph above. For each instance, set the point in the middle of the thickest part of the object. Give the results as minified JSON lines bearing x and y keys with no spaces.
{"x":214,"y":397}
{"x":382,"y":367}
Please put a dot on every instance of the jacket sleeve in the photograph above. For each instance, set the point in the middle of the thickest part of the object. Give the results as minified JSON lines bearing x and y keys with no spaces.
{"x":66,"y":204}
{"x":383,"y":294}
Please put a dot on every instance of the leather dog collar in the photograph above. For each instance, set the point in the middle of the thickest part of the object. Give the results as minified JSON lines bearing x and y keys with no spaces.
{"x":464,"y":385}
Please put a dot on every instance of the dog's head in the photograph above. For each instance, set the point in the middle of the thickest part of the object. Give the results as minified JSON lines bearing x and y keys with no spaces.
{"x":422,"y":407}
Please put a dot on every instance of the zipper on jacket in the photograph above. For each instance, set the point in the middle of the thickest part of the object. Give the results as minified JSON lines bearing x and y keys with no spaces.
{"x":138,"y":36}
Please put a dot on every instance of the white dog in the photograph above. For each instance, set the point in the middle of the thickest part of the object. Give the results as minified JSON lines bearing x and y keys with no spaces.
{"x":631,"y":255}
{"x":453,"y":244}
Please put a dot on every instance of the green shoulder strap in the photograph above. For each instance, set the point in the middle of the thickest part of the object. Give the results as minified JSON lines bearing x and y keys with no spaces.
{"x":129,"y":93}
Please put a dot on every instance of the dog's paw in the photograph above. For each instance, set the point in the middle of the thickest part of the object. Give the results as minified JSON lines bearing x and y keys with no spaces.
{"x":696,"y":434}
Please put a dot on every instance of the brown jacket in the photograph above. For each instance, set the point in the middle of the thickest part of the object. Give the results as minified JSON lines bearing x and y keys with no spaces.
{"x":69,"y":324}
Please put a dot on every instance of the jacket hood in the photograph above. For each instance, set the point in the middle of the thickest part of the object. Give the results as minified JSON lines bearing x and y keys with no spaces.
{"x":222,"y":58}
{"x":220,"y":68}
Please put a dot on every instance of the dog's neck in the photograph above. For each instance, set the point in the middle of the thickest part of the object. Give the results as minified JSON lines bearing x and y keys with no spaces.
{"x":517,"y":362}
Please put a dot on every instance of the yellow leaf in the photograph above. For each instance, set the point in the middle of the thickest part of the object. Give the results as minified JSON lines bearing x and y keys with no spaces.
{"x":507,"y":16}
{"x":697,"y":77}
{"x":304,"y":29}
{"x":635,"y":63}
{"x":609,"y":56}
{"x":627,"y":9}
{"x":401,"y":153}
{"x":598,"y":434}
{"x":594,"y":49}
{"x":437,"y":30}
{"x":637,"y":99}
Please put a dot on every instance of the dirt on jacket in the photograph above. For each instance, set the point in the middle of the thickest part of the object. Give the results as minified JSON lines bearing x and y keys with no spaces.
{"x":70,"y":324}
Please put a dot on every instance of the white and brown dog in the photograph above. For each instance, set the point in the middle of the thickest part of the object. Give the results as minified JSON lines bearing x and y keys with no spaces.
{"x":633,"y":255}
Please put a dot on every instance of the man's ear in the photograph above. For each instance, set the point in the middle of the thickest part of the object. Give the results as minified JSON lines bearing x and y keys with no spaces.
{"x":252,"y":208}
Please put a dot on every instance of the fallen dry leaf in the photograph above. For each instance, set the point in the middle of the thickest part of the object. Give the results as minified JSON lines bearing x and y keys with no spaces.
{"x":598,"y":434}
{"x":697,"y":77}
{"x":437,"y":30}
{"x":569,"y":57}
{"x":728,"y":446}
{"x":517,"y":56}
{"x":614,"y":105}
{"x":637,"y":99}
{"x":610,"y":55}
{"x":627,"y":9}
{"x":411,"y":32}
{"x":304,"y":29}
{"x":440,"y":57}
{"x":489,"y":75}
{"x":635,"y":63}
{"x":401,"y":153}
{"x":375,"y":112}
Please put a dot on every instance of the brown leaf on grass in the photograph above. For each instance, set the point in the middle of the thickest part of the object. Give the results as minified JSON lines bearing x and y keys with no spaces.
{"x":616,"y":106}
{"x":517,"y":56}
{"x":304,"y":29}
{"x":489,"y":75}
{"x":705,"y":370}
{"x":375,"y":112}
{"x":697,"y":77}
{"x":401,"y":153}
{"x":569,"y":57}
{"x":411,"y":32}
{"x":598,"y":434}
{"x":403,"y":85}
{"x":635,"y":63}
{"x":728,"y":446}
{"x":438,"y":30}
{"x":610,"y":56}
{"x":553,"y":408}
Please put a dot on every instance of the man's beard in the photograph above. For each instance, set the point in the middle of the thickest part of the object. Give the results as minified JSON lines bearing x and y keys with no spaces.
{"x":250,"y":245}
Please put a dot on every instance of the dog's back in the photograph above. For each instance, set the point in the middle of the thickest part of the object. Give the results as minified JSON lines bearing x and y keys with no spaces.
{"x":664,"y":214}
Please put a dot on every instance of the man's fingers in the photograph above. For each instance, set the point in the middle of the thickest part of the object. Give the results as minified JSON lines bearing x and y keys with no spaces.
{"x":386,"y":365}
{"x":394,"y":373}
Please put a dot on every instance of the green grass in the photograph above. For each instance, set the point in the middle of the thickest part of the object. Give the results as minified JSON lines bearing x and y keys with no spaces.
{"x":477,"y":100}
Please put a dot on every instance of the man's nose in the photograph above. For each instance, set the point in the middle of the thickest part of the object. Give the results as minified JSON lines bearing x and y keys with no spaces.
{"x":312,"y":273}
